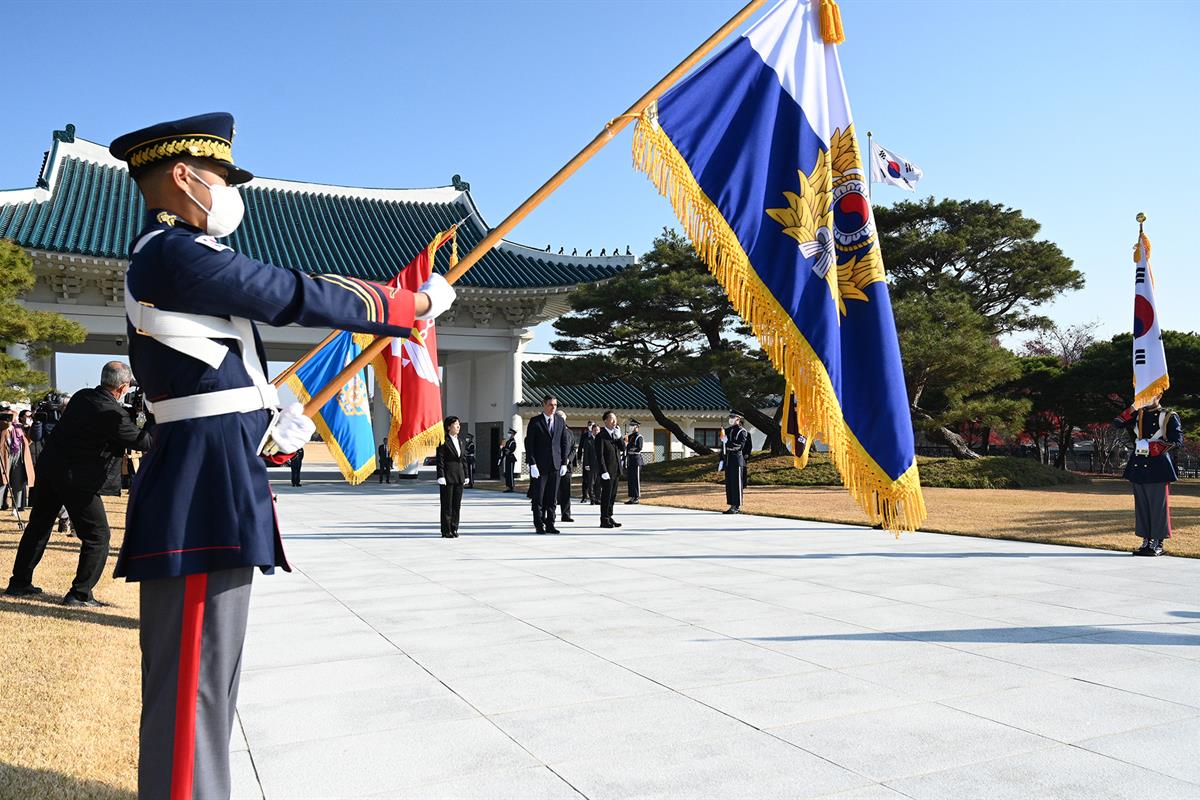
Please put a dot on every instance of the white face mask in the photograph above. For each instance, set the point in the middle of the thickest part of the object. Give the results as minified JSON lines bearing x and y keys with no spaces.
{"x":227,"y":208}
{"x":732,"y":421}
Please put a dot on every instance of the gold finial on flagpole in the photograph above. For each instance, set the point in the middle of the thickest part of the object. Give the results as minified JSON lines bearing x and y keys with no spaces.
{"x":1141,"y":219}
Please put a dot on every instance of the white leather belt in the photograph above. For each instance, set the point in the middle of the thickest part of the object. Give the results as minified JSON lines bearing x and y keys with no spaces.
{"x":211,"y":404}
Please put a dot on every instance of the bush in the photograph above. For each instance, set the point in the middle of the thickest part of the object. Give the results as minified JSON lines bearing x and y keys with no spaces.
{"x":992,"y":472}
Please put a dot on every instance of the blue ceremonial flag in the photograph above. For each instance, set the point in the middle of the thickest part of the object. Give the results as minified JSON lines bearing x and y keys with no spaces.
{"x":757,"y":153}
{"x":345,"y":421}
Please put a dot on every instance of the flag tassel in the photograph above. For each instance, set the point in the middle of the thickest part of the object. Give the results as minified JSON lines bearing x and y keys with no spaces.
{"x":831,"y":22}
{"x":898,"y":503}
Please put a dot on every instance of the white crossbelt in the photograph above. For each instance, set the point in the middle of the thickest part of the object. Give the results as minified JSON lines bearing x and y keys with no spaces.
{"x":194,"y":335}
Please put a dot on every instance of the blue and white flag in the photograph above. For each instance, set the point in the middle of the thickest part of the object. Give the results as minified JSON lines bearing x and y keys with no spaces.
{"x":893,"y":169}
{"x":757,"y":152}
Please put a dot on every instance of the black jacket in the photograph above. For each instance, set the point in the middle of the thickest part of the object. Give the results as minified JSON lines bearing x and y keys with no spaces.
{"x":549,"y":450}
{"x":608,"y":452}
{"x":451,"y":464}
{"x":1143,"y":424}
{"x":736,"y":449}
{"x":85,"y":449}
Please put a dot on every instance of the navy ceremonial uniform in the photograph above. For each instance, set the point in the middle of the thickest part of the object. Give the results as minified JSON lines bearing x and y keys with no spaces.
{"x":737,"y":441}
{"x":508,"y":461}
{"x":633,"y":466}
{"x":201,"y":515}
{"x":1151,"y":472}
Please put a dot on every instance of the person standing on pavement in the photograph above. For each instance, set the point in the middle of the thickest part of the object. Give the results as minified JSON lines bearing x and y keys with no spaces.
{"x":384,"y":457}
{"x":633,"y":463}
{"x":508,"y":460}
{"x":547,"y":451}
{"x":201,"y":517}
{"x":80,"y":464}
{"x":564,"y":483}
{"x":608,"y":452}
{"x":295,"y":463}
{"x":734,"y":458}
{"x":469,"y":451}
{"x":1155,"y":431}
{"x":450,"y":460}
{"x":587,"y":459}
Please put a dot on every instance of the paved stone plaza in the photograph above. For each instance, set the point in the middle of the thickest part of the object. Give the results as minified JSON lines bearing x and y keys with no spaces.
{"x":698,"y":656}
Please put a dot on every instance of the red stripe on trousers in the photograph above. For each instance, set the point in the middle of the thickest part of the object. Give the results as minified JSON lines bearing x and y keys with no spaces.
{"x":183,"y":757}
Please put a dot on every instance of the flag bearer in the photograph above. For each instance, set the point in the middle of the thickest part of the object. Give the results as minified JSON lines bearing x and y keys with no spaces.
{"x":1155,"y":431}
{"x":200,"y":515}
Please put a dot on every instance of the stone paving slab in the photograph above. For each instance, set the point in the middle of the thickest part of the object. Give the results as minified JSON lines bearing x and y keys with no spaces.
{"x":693,"y":655}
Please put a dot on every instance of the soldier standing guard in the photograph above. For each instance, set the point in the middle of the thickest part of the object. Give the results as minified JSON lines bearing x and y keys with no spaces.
{"x":201,"y":515}
{"x":733,"y":455}
{"x":1151,"y":470}
{"x":508,"y":460}
{"x":469,"y":454}
{"x":633,"y":463}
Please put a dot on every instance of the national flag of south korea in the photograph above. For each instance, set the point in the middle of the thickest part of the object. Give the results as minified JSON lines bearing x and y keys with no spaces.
{"x":1149,"y":359}
{"x":892,"y":168}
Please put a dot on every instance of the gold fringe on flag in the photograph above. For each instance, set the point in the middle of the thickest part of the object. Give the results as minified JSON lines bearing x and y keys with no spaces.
{"x":897,"y":504}
{"x":418,"y":447}
{"x":831,"y":23}
{"x":353,"y":476}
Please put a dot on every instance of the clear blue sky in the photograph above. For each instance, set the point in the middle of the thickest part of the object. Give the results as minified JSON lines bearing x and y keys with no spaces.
{"x":1077,"y":113}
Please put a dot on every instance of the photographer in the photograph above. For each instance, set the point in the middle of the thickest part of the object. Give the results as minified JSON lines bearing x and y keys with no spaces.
{"x":16,"y":460}
{"x":81,"y":461}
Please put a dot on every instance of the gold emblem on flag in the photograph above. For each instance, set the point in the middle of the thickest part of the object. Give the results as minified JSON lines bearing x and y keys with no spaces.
{"x":830,"y":218}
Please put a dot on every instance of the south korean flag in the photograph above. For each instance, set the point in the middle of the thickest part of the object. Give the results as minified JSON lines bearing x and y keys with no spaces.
{"x":888,"y":167}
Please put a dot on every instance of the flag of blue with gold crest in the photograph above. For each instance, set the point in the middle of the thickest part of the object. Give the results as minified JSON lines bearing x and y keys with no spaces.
{"x":758,"y":154}
{"x":345,"y":421}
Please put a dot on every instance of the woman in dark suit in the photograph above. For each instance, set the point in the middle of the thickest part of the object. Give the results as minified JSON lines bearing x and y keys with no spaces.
{"x":451,"y":475}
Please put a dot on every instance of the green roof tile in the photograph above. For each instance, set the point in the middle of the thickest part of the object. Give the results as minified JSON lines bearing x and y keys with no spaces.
{"x":705,"y":394}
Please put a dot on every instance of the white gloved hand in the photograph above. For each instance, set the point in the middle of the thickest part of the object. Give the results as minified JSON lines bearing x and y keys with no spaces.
{"x":292,"y":431}
{"x":441,"y":295}
{"x":562,"y":470}
{"x":604,"y":476}
{"x":533,"y":472}
{"x":441,"y":481}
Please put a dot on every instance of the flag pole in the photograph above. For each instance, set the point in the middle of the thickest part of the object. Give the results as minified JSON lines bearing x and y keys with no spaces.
{"x":870,"y":166}
{"x":610,"y":130}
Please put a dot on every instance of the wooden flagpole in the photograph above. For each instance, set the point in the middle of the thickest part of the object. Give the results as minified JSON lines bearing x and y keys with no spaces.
{"x":494,"y":237}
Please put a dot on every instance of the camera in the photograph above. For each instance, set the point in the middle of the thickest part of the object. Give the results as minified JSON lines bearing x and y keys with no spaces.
{"x":49,"y":408}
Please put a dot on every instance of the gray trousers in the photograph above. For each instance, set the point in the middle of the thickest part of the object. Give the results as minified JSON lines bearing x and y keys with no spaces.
{"x":192,"y":630}
{"x":1152,"y":510}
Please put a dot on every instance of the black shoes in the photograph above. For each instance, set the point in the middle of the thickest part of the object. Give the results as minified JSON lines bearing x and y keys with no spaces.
{"x":567,"y":519}
{"x":1150,"y":547}
{"x":551,"y":529}
{"x":608,"y":523}
{"x":71,"y":601}
{"x":22,"y":591}
{"x":732,"y":510}
{"x":507,"y":491}
{"x":633,"y":501}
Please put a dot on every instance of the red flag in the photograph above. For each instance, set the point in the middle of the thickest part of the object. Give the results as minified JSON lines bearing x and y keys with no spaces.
{"x":407,"y":372}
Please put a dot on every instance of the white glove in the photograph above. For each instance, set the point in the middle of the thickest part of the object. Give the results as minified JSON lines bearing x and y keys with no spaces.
{"x":441,"y":295}
{"x":441,"y":481}
{"x":292,"y":431}
{"x":604,"y":476}
{"x":562,"y":470}
{"x":534,"y":472}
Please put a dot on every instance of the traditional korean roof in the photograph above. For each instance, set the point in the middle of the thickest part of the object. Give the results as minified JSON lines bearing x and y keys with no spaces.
{"x":704,"y":394}
{"x":85,"y":204}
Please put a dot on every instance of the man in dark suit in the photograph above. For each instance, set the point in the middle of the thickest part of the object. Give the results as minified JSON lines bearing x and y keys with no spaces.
{"x":81,"y":461}
{"x":508,"y":460}
{"x":547,"y":452}
{"x":384,"y":459}
{"x":294,"y":464}
{"x":633,"y":462}
{"x":733,"y":454}
{"x":608,"y":457}
{"x":564,"y":483}
{"x":451,"y":475}
{"x":587,"y":458}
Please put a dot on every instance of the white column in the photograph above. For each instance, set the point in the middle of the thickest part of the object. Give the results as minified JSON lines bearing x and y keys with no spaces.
{"x":512,"y":389}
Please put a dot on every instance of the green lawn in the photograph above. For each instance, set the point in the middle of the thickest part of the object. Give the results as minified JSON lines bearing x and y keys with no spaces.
{"x":992,"y":472}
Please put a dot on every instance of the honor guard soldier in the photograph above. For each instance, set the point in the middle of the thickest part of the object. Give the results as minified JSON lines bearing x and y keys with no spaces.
{"x":383,"y":458}
{"x":564,"y":483}
{"x":733,"y":455}
{"x":587,"y":458}
{"x":200,"y":515}
{"x":1151,"y":469}
{"x":508,"y":460}
{"x":633,"y":463}
{"x":469,"y":454}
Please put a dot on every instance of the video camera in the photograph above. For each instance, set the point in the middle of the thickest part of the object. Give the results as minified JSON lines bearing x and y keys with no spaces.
{"x":49,"y":408}
{"x":135,"y":404}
